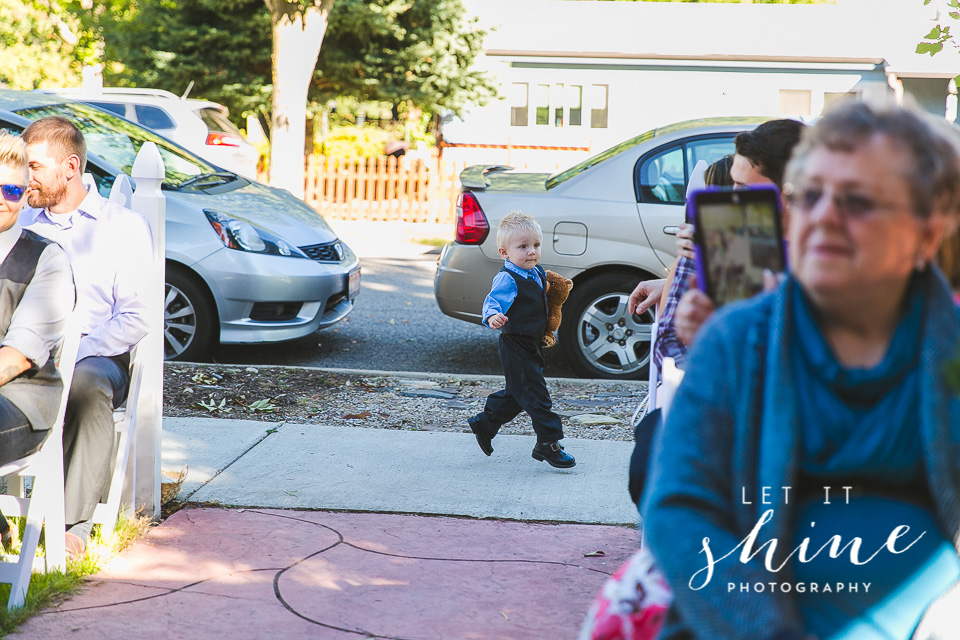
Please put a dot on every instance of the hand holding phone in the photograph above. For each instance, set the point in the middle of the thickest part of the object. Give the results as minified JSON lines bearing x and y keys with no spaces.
{"x":737,"y":238}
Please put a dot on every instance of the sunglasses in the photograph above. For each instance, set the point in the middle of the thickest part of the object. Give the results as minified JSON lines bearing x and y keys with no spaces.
{"x":13,"y":192}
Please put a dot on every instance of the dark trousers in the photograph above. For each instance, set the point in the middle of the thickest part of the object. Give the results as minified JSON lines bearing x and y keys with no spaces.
{"x":100,"y":385}
{"x":17,"y":438}
{"x":525,"y":390}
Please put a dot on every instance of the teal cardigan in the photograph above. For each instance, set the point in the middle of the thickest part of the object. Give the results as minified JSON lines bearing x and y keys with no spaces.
{"x":733,"y":429}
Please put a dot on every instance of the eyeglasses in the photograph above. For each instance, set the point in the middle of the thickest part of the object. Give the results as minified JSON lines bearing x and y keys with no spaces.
{"x":13,"y":192}
{"x":849,"y":204}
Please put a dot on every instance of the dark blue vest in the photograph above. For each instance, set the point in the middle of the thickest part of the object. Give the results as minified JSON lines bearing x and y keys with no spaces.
{"x":528,"y":313}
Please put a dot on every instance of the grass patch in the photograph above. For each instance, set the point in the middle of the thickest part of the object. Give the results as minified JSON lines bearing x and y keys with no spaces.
{"x":432,"y":242}
{"x":47,"y":589}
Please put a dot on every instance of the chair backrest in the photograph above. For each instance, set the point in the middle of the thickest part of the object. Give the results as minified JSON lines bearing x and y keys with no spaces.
{"x":67,"y":363}
{"x":122,"y":190}
{"x":671,"y":380}
{"x":653,"y":377}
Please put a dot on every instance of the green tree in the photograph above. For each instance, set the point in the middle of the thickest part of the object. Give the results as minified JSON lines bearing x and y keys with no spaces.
{"x":42,"y":44}
{"x":221,"y":46}
{"x":379,"y":50}
{"x":940,"y":34}
{"x":399,"y":50}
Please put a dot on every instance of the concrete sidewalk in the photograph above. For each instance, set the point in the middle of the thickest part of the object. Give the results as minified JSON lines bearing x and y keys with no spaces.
{"x":277,"y":563}
{"x":292,"y":466}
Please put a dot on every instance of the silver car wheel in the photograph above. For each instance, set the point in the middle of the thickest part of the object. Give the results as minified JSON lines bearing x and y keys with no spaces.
{"x":612,"y":339}
{"x":179,"y":322}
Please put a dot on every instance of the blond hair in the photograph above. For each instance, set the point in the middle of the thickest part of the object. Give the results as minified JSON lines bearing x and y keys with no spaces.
{"x":13,"y":151}
{"x":515,"y":221}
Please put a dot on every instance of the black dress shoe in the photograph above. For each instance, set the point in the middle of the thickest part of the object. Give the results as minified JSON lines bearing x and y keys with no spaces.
{"x":482,"y":439}
{"x":554,"y":455}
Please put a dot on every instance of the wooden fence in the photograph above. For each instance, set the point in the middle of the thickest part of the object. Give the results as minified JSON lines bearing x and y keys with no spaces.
{"x":383,"y":188}
{"x":408,"y":189}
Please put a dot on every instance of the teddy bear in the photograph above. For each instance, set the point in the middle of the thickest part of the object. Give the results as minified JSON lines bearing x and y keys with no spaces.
{"x":558,"y":288}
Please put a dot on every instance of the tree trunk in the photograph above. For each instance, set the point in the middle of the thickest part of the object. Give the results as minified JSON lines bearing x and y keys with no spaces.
{"x":298,"y":29}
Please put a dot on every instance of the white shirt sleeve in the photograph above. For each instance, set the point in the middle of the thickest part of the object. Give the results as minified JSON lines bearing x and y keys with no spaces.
{"x":128,"y":322}
{"x":41,"y":316}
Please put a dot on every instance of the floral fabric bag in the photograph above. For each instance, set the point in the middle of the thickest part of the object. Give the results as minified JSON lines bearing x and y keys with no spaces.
{"x":632,"y":604}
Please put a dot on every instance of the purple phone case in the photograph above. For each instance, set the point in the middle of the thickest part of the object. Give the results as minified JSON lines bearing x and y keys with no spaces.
{"x":698,"y":249}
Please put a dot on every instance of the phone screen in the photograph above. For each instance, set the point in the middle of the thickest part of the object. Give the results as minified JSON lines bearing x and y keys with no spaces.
{"x":737,"y":238}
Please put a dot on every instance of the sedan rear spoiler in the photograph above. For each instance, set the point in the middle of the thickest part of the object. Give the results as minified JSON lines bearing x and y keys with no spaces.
{"x":475,"y":177}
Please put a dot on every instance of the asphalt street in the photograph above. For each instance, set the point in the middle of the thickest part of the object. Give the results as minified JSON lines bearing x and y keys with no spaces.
{"x":396,"y":326}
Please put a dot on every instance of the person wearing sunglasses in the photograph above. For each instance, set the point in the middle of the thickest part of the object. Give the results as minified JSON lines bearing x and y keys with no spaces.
{"x":36,"y":298}
{"x":811,"y":457}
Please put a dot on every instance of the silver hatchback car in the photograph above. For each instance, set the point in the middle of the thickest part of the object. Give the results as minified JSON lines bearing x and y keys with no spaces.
{"x":244,"y":262}
{"x":608,"y":223}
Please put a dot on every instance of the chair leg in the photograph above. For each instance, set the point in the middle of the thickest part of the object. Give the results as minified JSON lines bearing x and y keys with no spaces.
{"x":54,"y":511}
{"x":20,"y":582}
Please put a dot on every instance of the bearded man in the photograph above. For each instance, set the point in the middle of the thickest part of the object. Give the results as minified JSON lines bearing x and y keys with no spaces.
{"x":110,"y":250}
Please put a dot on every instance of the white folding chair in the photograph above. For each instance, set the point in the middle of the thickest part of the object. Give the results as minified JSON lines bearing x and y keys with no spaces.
{"x":124,"y":466}
{"x":125,"y":418}
{"x":649,"y":402}
{"x":44,"y":507}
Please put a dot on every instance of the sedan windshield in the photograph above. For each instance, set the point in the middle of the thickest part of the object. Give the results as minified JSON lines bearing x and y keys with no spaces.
{"x":117,"y":141}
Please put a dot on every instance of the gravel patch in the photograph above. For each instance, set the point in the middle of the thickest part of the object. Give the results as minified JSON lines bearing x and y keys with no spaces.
{"x":596,"y":409}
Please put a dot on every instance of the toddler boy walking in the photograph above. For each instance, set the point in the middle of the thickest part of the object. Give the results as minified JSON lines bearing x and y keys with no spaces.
{"x":517,"y":306}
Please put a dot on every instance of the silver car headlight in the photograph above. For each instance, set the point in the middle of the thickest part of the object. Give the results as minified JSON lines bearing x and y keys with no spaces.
{"x":243,"y":236}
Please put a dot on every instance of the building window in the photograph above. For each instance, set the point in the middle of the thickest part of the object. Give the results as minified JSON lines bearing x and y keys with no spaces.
{"x":557,"y":105}
{"x":600,"y":105}
{"x":574,"y":99}
{"x":519,"y":104}
{"x":795,"y":102}
{"x":542,"y":100}
{"x":831,"y":98}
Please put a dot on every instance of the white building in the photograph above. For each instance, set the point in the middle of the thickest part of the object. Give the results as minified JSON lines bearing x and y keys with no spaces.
{"x":585,"y":75}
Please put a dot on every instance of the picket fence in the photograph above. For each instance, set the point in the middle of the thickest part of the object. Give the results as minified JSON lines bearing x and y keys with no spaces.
{"x":383,"y":188}
{"x":407,"y":189}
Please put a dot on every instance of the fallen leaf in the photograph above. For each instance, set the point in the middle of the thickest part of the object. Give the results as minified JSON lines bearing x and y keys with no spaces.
{"x":595,"y":554}
{"x":363,"y":415}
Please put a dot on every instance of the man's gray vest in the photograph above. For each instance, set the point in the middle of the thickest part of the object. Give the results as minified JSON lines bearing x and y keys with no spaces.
{"x":36,"y":392}
{"x":528,"y":313}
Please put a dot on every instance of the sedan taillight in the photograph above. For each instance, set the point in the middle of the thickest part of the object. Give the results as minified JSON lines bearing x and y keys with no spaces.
{"x":218,"y":139}
{"x":472,"y":225}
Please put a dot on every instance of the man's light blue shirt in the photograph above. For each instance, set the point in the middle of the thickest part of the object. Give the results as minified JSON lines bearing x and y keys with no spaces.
{"x":504,"y":290}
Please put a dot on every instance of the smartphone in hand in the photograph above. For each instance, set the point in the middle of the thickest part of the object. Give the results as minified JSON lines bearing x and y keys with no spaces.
{"x":738,"y":235}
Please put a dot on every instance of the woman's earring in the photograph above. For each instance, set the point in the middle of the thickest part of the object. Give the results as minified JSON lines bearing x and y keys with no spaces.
{"x":920,"y":263}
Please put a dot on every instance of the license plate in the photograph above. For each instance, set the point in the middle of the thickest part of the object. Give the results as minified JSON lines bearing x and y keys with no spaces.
{"x":354,"y":286}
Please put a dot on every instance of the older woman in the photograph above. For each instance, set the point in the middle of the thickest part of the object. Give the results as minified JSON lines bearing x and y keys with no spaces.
{"x":815,"y":482}
{"x":36,"y":298}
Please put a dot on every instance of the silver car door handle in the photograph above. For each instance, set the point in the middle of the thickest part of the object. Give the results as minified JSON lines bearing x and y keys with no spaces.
{"x":671,"y":231}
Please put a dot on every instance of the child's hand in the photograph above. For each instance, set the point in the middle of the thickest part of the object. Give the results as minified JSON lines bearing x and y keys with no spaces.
{"x":497,"y":320}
